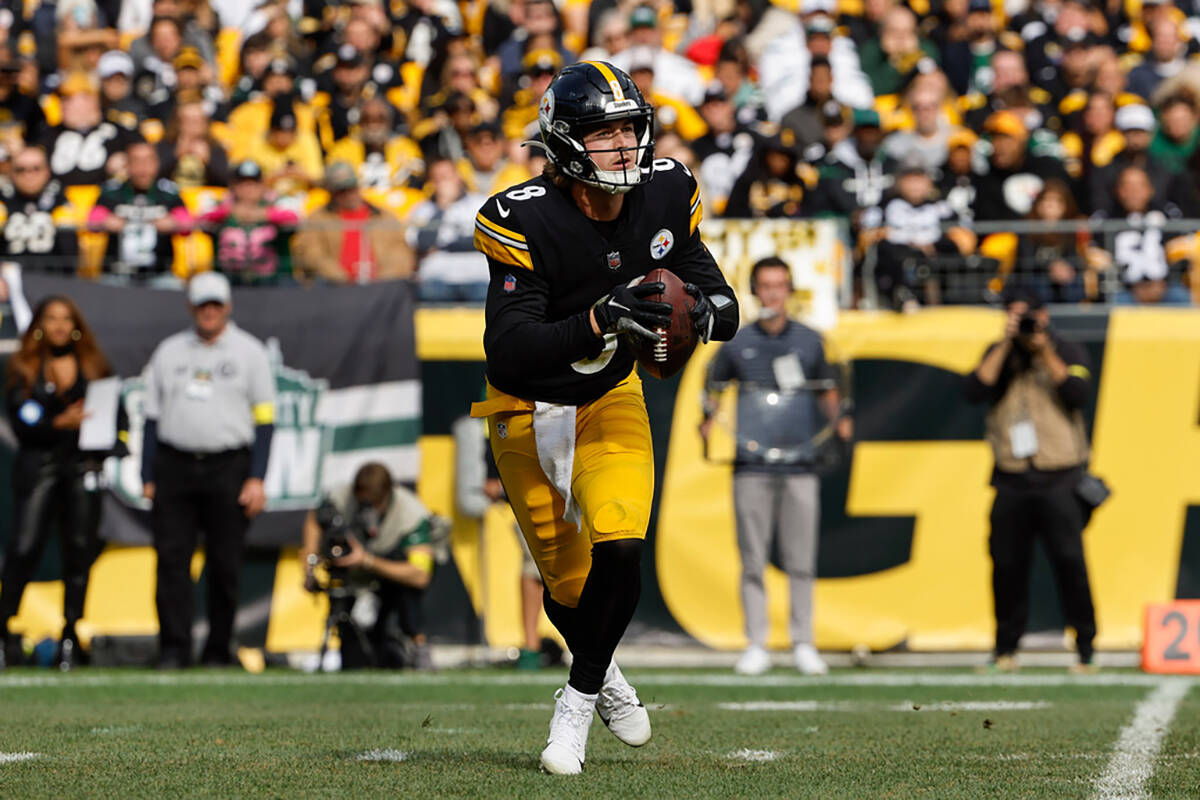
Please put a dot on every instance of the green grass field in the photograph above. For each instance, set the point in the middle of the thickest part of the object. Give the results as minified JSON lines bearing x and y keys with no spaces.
{"x":856,"y":734}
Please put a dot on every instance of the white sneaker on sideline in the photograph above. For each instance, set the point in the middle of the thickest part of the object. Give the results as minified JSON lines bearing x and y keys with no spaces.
{"x":567,"y":744}
{"x":755,"y":661}
{"x":621,"y":710}
{"x":809,"y":661}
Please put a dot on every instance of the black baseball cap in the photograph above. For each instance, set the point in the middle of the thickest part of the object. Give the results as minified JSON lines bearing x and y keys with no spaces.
{"x":247,"y":171}
{"x":350,"y":56}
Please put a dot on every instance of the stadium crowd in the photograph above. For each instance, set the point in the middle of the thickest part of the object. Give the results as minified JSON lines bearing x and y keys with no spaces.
{"x":312,"y":141}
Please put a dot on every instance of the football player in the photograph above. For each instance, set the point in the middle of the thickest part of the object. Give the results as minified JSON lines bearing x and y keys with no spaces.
{"x":565,"y":411}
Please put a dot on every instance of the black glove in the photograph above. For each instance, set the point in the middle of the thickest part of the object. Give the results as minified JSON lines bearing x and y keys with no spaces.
{"x":623,"y":310}
{"x":702,"y":312}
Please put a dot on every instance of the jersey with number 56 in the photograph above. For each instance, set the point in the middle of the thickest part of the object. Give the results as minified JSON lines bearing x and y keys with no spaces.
{"x":549,"y":263}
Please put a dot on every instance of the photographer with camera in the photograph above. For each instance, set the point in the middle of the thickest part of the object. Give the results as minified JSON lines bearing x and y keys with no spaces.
{"x":1035,"y":385}
{"x":374,"y":539}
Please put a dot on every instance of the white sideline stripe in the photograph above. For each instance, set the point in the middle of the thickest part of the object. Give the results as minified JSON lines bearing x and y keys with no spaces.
{"x":746,"y":754}
{"x":1134,"y":753}
{"x":13,"y":758}
{"x":379,"y":402}
{"x":387,"y":754}
{"x":555,"y":678}
{"x":851,"y":705}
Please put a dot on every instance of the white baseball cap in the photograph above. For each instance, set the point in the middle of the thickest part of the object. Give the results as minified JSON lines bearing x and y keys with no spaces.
{"x":115,"y":62}
{"x":1134,"y":117}
{"x":209,"y":287}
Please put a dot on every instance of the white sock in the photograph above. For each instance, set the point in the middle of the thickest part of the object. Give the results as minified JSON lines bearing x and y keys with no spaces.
{"x":578,"y":698}
{"x":613,"y":673}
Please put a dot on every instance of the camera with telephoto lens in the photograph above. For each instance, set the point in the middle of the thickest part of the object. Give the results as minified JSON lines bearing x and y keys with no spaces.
{"x":336,"y":530}
{"x":1027,"y":325}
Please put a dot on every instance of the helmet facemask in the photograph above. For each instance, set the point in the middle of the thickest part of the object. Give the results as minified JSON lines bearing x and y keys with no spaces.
{"x":620,"y":181}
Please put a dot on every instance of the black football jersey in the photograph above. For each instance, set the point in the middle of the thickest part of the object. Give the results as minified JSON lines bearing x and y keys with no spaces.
{"x":549,"y":264}
{"x":80,"y":158}
{"x":38,"y":230}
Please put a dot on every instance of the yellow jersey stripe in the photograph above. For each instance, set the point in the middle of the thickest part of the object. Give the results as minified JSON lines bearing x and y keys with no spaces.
{"x":505,"y":254}
{"x":697,"y":215}
{"x":611,"y":79}
{"x":695,"y":198}
{"x":516,"y":237}
{"x":1079,"y":371}
{"x":264,"y":414}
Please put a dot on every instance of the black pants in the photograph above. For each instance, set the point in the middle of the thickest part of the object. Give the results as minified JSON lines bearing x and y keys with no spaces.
{"x":388,"y":643}
{"x":49,"y":489}
{"x":194,"y":494}
{"x":1056,"y":517}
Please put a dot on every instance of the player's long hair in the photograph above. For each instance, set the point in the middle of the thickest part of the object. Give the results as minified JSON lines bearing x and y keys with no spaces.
{"x":26,"y":364}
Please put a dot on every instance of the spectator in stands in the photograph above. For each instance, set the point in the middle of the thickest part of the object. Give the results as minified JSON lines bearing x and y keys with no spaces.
{"x":250,"y":233}
{"x":462,"y":75}
{"x":674,"y":75}
{"x":444,"y":133}
{"x":893,"y":60}
{"x":914,"y":247}
{"x":1010,"y":88}
{"x":1177,"y":135}
{"x":957,"y":182}
{"x":519,"y":120}
{"x":1168,"y":47}
{"x":733,"y":71}
{"x":1094,"y":141}
{"x":84,"y":149}
{"x":193,"y":83}
{"x":1009,"y":180}
{"x":350,"y":85}
{"x":487,"y":168}
{"x":155,"y":77}
{"x":384,"y":157}
{"x":39,"y":231}
{"x":141,"y":49}
{"x":672,"y":113}
{"x":807,"y":120}
{"x":1138,"y":253}
{"x":926,"y":142}
{"x":190,"y":155}
{"x":118,"y":104}
{"x":539,"y":19}
{"x":726,"y":150}
{"x":140,"y":215}
{"x":1035,"y":385}
{"x":967,"y":62}
{"x":18,"y":109}
{"x":349,"y":240}
{"x":290,"y":158}
{"x":787,"y":62}
{"x":1052,"y":264}
{"x":442,"y":231}
{"x":250,"y":121}
{"x":54,"y":483}
{"x":773,"y":183}
{"x":1174,"y":192}
{"x":855,"y":174}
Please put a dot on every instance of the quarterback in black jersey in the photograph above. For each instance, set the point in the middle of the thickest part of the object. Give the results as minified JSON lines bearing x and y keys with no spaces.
{"x":566,"y":416}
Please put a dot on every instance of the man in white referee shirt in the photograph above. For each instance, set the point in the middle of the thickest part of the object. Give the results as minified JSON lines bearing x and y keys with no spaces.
{"x":210,"y":413}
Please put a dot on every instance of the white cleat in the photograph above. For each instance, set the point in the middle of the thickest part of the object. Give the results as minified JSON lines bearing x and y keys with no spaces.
{"x":621,"y":710}
{"x":567,"y":745}
{"x":755,"y":661}
{"x":809,"y":661}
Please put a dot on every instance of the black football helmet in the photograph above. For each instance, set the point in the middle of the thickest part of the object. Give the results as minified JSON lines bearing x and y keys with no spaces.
{"x":581,"y":97}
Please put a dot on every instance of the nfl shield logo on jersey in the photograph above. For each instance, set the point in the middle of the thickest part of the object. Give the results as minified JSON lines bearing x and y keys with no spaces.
{"x":661,"y":244}
{"x":502,"y":430}
{"x":510,"y":283}
{"x":614,"y":259}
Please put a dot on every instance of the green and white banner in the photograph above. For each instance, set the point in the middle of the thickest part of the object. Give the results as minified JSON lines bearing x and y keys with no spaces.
{"x":346,"y":373}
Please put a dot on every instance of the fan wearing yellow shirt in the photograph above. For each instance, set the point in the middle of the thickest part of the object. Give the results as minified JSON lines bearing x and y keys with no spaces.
{"x":290,"y":158}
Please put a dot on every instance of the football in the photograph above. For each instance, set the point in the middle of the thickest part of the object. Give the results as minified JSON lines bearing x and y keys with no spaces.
{"x":669,"y":355}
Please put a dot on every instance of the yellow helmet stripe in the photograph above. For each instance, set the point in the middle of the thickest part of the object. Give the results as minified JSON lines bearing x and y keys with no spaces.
{"x":608,"y":75}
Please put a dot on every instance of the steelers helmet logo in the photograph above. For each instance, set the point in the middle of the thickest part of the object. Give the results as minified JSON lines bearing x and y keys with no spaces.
{"x":546,"y":108}
{"x":661,"y":244}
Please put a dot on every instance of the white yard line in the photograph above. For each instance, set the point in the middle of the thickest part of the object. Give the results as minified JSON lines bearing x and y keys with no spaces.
{"x":1137,"y":748}
{"x":908,"y":706}
{"x":746,"y":754}
{"x":13,"y":758}
{"x":557,"y":678}
{"x":382,"y":755}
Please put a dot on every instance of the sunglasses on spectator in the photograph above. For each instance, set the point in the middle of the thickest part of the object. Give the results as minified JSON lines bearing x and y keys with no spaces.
{"x":24,"y":170}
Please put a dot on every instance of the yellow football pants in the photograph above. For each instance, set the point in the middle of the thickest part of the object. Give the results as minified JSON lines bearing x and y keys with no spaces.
{"x":612,"y":481}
